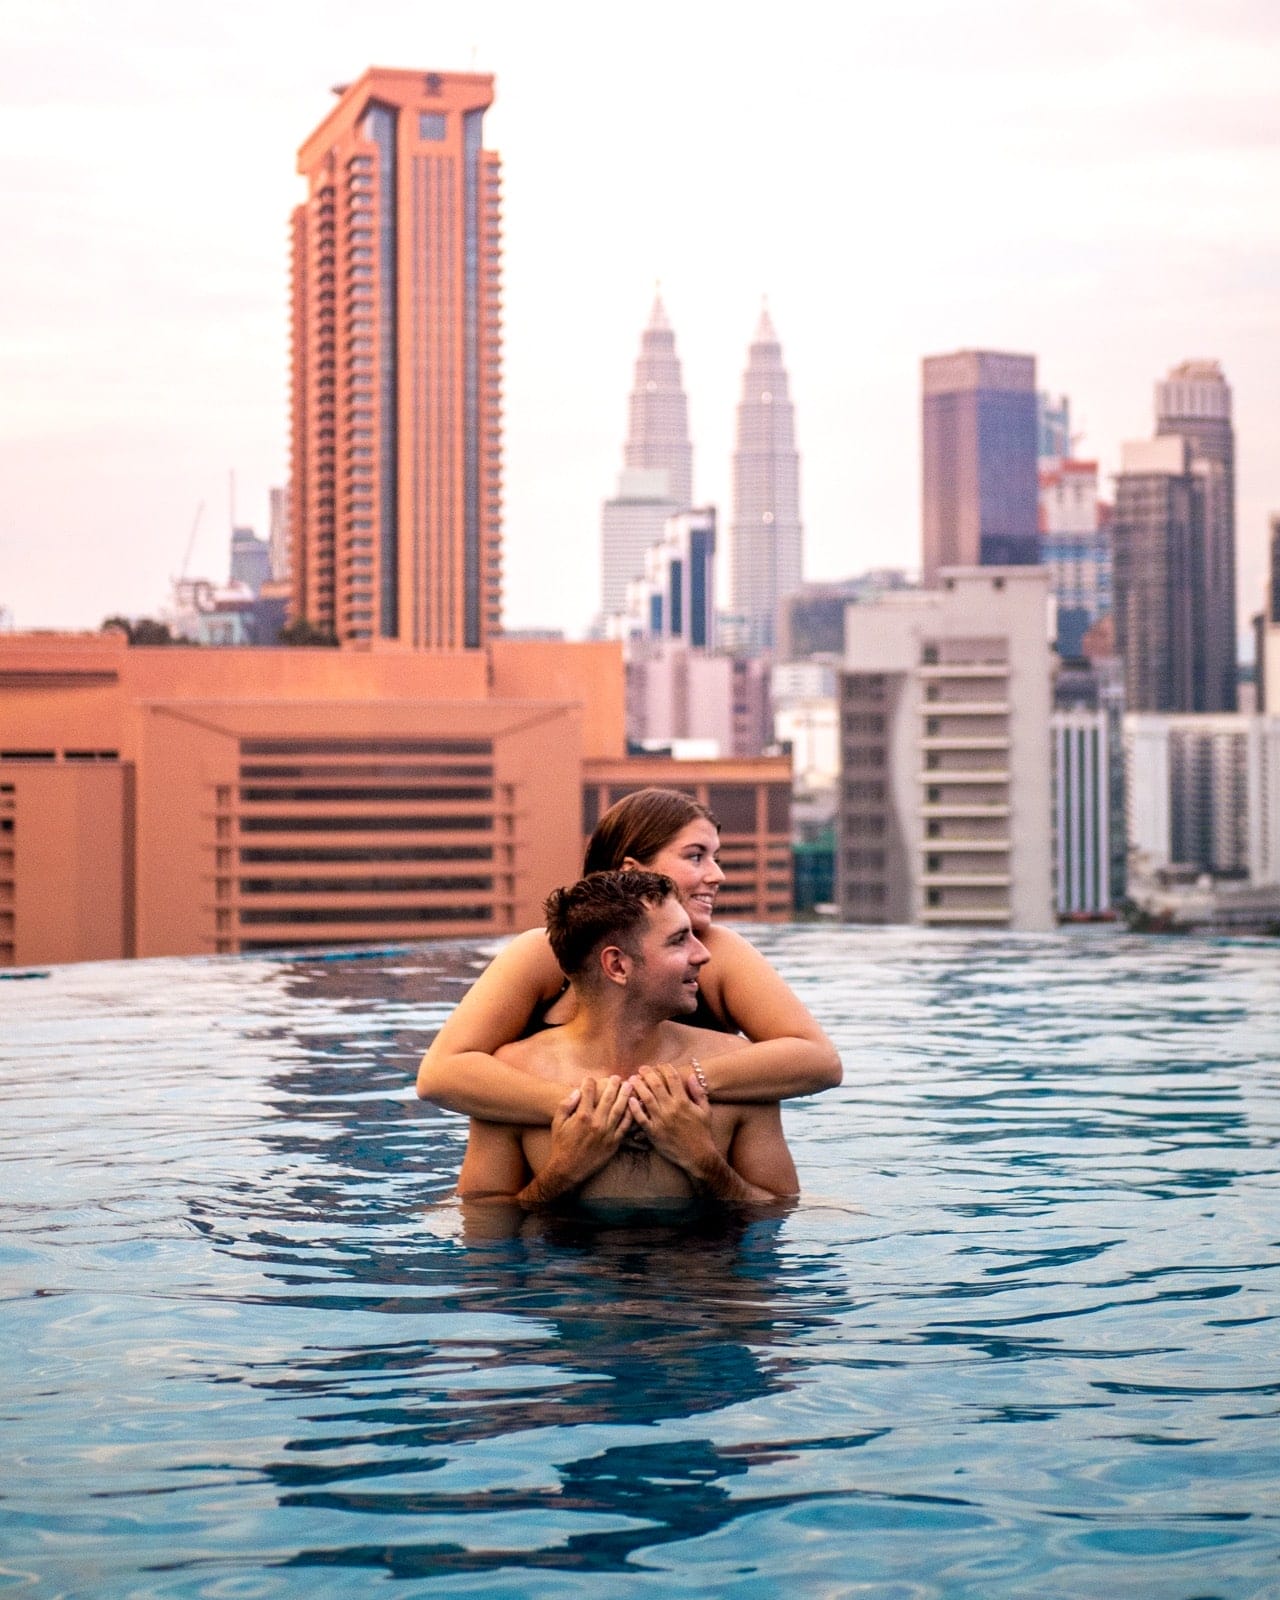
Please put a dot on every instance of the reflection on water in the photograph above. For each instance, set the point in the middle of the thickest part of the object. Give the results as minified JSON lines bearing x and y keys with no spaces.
{"x":1026,"y":1345}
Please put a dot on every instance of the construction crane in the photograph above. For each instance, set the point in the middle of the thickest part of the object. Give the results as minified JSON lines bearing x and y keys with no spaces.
{"x":191,"y":539}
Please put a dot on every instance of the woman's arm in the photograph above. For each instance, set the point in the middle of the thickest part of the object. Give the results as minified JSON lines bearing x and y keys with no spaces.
{"x":459,"y":1071}
{"x":789,"y":1053}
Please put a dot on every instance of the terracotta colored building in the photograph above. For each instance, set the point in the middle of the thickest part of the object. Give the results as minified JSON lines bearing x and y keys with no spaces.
{"x":187,"y":801}
{"x":170,"y":801}
{"x":396,"y":489}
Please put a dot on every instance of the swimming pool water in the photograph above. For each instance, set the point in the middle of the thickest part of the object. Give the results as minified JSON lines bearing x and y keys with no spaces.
{"x":1020,"y":1339}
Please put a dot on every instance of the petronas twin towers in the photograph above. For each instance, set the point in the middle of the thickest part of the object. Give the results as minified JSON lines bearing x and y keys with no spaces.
{"x":657,"y":482}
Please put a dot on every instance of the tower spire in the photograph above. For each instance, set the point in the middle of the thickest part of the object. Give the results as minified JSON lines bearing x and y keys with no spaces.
{"x":657,"y":475}
{"x":767,"y":540}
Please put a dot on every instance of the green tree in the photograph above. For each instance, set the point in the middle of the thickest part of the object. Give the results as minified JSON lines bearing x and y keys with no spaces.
{"x":146,"y":630}
{"x":300,"y":631}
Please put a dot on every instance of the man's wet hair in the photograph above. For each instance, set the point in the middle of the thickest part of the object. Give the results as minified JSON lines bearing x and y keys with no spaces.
{"x":602,"y":909}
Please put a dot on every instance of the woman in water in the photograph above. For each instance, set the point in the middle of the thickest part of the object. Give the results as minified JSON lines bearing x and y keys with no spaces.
{"x":523,"y":989}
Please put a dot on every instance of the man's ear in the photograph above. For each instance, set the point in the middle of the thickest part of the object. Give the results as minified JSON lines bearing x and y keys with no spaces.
{"x":615,"y":963}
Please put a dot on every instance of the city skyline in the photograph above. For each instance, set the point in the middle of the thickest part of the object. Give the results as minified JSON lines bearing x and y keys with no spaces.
{"x":145,"y":307}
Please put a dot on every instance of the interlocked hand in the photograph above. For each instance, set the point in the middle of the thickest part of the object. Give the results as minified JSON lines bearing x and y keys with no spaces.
{"x":588,"y":1128}
{"x":674,"y":1113}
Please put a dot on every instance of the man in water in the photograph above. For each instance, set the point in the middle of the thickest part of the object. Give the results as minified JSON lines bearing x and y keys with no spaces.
{"x":629,"y":1133}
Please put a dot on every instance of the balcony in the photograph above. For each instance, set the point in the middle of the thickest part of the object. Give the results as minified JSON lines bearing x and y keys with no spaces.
{"x":940,"y":777}
{"x":936,"y":670}
{"x":965,"y":880}
{"x":963,"y":741}
{"x":939,"y":809}
{"x":958,"y":846}
{"x":964,"y":708}
{"x":960,"y":917}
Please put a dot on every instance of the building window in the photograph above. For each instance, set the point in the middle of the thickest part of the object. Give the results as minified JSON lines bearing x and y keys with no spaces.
{"x":431,"y":126}
{"x":735,"y":805}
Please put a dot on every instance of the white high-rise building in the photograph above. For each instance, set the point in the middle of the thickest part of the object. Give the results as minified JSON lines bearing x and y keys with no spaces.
{"x":1083,"y":796}
{"x":657,"y":476}
{"x":945,"y":785}
{"x":767,"y":540}
{"x":674,"y":601}
{"x":1204,"y":793}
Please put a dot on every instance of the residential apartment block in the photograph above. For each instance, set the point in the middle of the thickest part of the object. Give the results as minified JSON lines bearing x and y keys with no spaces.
{"x":1204,"y":793}
{"x":395,"y":502}
{"x":945,"y":786}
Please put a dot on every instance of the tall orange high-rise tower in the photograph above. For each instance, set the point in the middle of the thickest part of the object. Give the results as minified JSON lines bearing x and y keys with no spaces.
{"x":396,"y":425}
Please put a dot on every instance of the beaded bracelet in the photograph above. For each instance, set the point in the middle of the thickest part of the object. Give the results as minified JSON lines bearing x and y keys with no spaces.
{"x":700,"y":1075}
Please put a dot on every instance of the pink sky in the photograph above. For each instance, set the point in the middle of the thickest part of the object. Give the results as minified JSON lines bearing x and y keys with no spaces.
{"x":1093,"y":183}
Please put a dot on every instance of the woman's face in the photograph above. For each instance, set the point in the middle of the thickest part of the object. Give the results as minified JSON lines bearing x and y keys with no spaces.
{"x":689,"y":860}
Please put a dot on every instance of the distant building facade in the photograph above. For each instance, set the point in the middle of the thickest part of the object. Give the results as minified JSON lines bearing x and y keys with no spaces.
{"x":945,"y":784}
{"x":979,"y":461}
{"x":185,"y":802}
{"x":1174,"y":542}
{"x":1194,"y":403}
{"x":675,"y":599}
{"x":1090,"y":795}
{"x":1088,"y":877}
{"x":1162,"y":611}
{"x":1204,"y":793}
{"x":278,"y":534}
{"x":1075,"y":545}
{"x":1266,"y":628}
{"x":766,"y":543}
{"x":1053,"y":427}
{"x":719,"y":700}
{"x":396,"y":466}
{"x":806,"y":721}
{"x":250,"y":559}
{"x":813,"y":616}
{"x":657,"y":475}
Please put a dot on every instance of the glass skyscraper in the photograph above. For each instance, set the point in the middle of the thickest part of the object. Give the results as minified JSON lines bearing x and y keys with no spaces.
{"x":980,"y":478}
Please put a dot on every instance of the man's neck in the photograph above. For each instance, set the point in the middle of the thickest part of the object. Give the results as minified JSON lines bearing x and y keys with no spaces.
{"x":617,"y":1037}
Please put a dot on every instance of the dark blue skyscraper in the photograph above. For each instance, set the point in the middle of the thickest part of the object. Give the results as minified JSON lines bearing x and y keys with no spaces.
{"x":980,"y":479}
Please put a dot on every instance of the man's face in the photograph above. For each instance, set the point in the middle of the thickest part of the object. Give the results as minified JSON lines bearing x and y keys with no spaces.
{"x":665,"y":971}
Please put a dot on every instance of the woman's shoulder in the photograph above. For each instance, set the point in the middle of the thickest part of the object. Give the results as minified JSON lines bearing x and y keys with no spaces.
{"x":530,"y":953}
{"x":724,"y":945}
{"x":732,"y":957}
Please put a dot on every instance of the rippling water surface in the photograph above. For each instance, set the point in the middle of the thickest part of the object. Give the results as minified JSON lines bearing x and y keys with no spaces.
{"x":1020,"y":1340}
